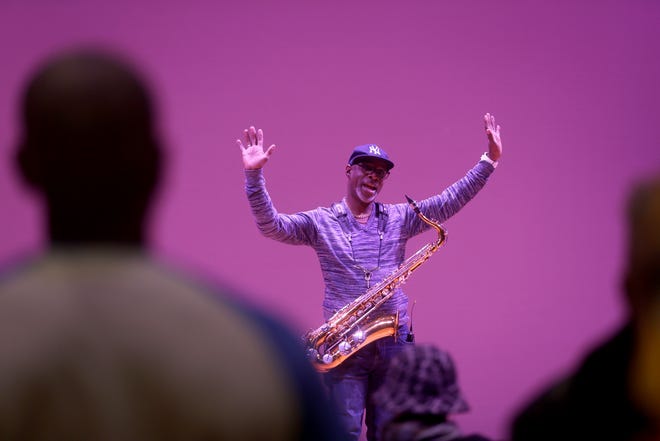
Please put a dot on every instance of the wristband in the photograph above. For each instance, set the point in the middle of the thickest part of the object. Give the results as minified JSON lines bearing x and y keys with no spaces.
{"x":485,"y":157}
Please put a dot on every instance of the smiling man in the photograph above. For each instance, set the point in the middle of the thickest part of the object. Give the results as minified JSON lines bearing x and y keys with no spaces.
{"x":373,"y":167}
{"x":359,"y":242}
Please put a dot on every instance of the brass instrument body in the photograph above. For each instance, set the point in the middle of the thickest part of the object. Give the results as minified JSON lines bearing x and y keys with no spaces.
{"x":360,"y":322}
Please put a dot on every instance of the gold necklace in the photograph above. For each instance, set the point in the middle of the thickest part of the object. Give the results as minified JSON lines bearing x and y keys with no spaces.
{"x":358,"y":216}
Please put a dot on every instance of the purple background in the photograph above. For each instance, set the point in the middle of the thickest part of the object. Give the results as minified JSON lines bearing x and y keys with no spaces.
{"x":530,"y":276}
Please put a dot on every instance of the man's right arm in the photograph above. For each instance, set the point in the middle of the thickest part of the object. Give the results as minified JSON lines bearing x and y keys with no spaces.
{"x":297,"y":229}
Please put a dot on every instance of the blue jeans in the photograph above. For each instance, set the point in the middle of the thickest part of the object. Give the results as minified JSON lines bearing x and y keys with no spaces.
{"x":351,"y":384}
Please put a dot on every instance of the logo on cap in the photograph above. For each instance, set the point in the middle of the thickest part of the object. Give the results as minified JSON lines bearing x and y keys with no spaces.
{"x":373,"y":149}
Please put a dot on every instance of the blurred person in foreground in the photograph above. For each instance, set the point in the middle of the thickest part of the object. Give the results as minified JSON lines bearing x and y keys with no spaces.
{"x":615,"y":393}
{"x":98,"y":341}
{"x":421,"y":393}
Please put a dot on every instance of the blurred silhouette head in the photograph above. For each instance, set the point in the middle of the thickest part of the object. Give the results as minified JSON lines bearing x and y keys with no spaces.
{"x":643,"y":277}
{"x":421,"y":379}
{"x":643,"y":290}
{"x":89,"y":148}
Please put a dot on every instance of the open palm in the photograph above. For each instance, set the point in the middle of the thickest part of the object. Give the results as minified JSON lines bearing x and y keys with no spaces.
{"x":494,"y":140}
{"x":254,"y":155}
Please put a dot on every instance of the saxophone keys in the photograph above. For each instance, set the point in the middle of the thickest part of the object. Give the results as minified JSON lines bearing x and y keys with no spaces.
{"x":345,"y":348}
{"x":358,"y":336}
{"x":327,"y":358}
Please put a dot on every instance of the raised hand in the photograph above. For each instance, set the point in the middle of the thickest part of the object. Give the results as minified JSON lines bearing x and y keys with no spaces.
{"x":494,"y":140}
{"x":254,"y":155}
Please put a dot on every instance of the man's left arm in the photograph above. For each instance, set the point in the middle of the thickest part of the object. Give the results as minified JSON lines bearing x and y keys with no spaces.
{"x":446,"y":204}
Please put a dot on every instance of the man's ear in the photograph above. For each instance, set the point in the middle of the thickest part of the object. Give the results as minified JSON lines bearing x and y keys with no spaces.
{"x":348,"y":169}
{"x":27,"y":160}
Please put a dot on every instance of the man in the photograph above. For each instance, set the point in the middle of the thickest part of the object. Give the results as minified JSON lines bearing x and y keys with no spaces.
{"x":359,"y":242}
{"x":615,"y":392}
{"x":97,"y":340}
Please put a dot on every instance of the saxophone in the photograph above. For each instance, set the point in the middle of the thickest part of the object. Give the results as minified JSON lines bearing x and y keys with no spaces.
{"x":359,"y":323}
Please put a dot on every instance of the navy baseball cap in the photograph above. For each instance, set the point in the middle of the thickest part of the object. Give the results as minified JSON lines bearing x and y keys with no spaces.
{"x":369,"y":151}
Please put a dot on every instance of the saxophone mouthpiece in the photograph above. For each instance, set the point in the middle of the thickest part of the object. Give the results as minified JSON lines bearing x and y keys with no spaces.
{"x":412,"y":203}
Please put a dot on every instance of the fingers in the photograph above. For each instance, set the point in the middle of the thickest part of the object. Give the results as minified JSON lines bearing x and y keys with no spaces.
{"x":487,"y":127}
{"x":489,"y":124}
{"x":250,"y":136}
{"x":253,"y":136}
{"x":240,"y":144}
{"x":270,"y":150}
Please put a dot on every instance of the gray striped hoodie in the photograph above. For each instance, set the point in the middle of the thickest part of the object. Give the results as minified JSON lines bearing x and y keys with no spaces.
{"x":349,"y":251}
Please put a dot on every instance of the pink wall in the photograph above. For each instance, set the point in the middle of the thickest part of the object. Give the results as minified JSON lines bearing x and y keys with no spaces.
{"x":530,"y":276}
